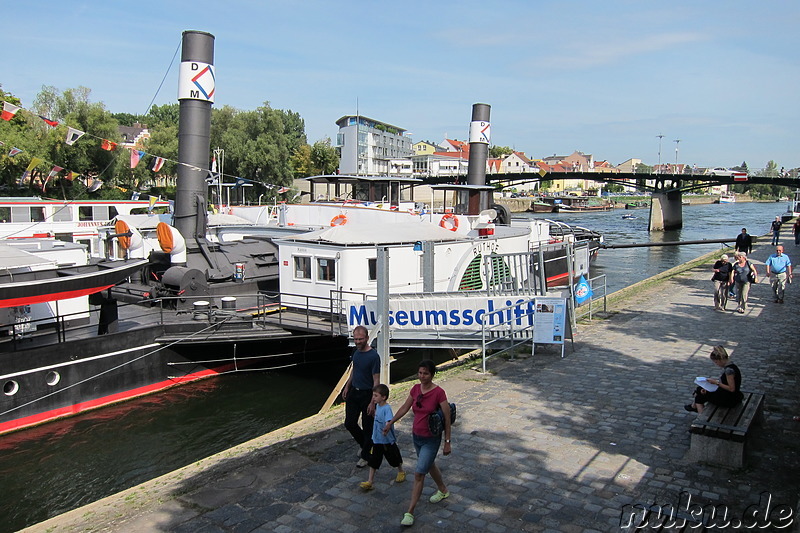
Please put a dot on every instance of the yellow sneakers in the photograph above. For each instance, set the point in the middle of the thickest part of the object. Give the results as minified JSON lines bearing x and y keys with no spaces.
{"x":365,"y":486}
{"x":401,"y":476}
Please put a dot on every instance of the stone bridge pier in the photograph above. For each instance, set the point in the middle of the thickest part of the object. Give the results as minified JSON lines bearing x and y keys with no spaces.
{"x":666,"y":208}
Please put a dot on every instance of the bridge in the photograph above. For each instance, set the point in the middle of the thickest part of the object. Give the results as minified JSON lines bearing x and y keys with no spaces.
{"x":666,"y":189}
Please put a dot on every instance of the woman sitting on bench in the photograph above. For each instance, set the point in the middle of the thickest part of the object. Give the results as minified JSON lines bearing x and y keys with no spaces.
{"x":728,"y":392}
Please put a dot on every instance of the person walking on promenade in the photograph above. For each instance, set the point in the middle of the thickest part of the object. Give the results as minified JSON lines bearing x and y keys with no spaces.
{"x":743,"y":274}
{"x":729,"y":384}
{"x":796,"y":231}
{"x":779,"y":270}
{"x":357,"y":393}
{"x":722,"y":279}
{"x":383,"y":445}
{"x":744,"y":242}
{"x":776,"y":231}
{"x":425,"y":398}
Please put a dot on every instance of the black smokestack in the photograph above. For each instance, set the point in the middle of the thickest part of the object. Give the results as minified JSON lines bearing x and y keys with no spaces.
{"x":196,"y":89}
{"x":479,"y":134}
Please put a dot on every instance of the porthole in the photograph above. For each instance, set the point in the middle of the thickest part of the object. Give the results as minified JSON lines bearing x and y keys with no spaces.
{"x":53,"y":378}
{"x":10,"y":388}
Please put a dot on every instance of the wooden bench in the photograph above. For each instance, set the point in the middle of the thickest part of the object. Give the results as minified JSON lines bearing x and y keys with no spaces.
{"x":719,"y":434}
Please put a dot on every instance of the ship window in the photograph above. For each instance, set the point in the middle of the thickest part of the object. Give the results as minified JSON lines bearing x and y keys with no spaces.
{"x":5,"y":214}
{"x":471,"y":280}
{"x":85,"y":212}
{"x":100,"y":212}
{"x":302,"y":267}
{"x":326,"y":269}
{"x":372,"y":269}
{"x":53,"y":378}
{"x":10,"y":388}
{"x":62,"y":214}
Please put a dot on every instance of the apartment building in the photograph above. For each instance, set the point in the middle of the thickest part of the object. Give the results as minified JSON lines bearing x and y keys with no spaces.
{"x":368,"y":147}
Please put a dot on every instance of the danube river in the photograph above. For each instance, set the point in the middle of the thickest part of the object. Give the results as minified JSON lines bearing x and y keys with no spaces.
{"x":65,"y":464}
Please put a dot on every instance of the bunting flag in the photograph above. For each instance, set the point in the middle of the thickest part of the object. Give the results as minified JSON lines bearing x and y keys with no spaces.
{"x":70,"y":176}
{"x":136,"y":155}
{"x":9,"y":110}
{"x":24,"y":179}
{"x":51,"y":123}
{"x":73,"y":135}
{"x":153,"y":200}
{"x":135,"y":196}
{"x":157,"y":164}
{"x":108,"y":145}
{"x":583,"y":291}
{"x":2,"y":143}
{"x":35,"y":161}
{"x":283,"y":190}
{"x":94,"y":185}
{"x":14,"y":151}
{"x":53,"y":172}
{"x":542,"y":172}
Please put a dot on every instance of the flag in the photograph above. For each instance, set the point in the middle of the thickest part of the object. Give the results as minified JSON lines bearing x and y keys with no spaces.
{"x":108,"y":145}
{"x":2,"y":143}
{"x":34,"y":163}
{"x":73,"y":135}
{"x":53,"y":172}
{"x":14,"y":151}
{"x":157,"y":164}
{"x":95,"y":185}
{"x":583,"y":291}
{"x":70,"y":176}
{"x":135,"y":196}
{"x":24,"y":179}
{"x":136,"y":155}
{"x":214,"y":164}
{"x":740,"y":176}
{"x":542,"y":172}
{"x":283,"y":190}
{"x":153,"y":200}
{"x":51,"y":123}
{"x":9,"y":110}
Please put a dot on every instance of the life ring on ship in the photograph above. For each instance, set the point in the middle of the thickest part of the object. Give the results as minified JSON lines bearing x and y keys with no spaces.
{"x":339,"y":220}
{"x":449,"y":221}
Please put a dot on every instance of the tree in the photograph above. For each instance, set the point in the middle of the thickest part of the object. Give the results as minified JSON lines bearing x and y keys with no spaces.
{"x":499,"y":151}
{"x":324,"y":159}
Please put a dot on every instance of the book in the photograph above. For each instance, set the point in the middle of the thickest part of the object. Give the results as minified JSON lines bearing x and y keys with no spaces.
{"x":703,"y":382}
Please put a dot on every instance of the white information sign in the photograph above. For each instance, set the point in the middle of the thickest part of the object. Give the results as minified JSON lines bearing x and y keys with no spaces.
{"x":550,"y":321}
{"x":196,"y":81}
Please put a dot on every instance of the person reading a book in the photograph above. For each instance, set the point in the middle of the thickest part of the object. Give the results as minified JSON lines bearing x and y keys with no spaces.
{"x":726,"y":391}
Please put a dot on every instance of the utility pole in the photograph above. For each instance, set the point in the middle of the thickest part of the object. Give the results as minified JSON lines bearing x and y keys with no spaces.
{"x":676,"y":153}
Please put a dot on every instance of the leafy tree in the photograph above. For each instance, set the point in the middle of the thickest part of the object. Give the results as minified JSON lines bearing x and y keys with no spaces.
{"x":301,"y":161}
{"x":499,"y":151}
{"x":324,"y":159}
{"x":127,"y":119}
{"x":165,"y":115}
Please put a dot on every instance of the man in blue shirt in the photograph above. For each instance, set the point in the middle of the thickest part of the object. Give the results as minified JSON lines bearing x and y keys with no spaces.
{"x":357,"y":393}
{"x":779,"y":269}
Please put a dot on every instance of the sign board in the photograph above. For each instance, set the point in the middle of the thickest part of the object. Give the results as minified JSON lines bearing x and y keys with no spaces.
{"x":480,"y":131}
{"x":550,"y":318}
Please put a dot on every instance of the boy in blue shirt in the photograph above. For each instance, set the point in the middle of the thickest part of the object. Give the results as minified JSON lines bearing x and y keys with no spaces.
{"x":383,"y":445}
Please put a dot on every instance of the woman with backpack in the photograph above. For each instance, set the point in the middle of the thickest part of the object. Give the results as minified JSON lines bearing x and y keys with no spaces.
{"x":425,"y":398}
{"x":743,"y":274}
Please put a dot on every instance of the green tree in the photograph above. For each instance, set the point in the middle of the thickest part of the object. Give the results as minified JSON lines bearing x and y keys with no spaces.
{"x":324,"y":159}
{"x":499,"y":151}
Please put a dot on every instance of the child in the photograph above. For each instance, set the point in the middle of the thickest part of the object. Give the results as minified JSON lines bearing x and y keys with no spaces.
{"x":383,"y":445}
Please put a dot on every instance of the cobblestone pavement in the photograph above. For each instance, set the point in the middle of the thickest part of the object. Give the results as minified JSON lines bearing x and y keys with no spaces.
{"x":541,"y":443}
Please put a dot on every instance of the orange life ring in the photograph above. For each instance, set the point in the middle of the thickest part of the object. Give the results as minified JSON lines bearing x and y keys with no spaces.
{"x":449,"y":221}
{"x":339,"y":220}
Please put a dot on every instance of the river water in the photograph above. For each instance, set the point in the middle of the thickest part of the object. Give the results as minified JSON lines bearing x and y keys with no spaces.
{"x":62,"y":465}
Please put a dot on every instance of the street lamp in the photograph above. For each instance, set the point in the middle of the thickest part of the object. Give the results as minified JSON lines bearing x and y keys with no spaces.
{"x":660,"y":136}
{"x":676,"y":154}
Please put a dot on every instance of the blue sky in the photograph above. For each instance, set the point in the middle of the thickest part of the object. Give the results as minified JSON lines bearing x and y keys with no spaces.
{"x":602,"y":77}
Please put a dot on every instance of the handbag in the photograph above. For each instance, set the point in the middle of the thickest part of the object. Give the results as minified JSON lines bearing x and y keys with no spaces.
{"x":436,"y":420}
{"x":751,"y":274}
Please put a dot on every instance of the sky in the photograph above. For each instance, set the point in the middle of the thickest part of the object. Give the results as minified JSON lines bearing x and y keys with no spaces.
{"x":602,"y":77}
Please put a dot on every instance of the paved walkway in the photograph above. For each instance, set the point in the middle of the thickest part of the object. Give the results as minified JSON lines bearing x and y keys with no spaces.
{"x":541,"y":444}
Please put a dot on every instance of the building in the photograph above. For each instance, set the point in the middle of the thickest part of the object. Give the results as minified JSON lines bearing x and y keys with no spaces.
{"x":133,"y":136}
{"x":427,"y":148}
{"x":367,"y":146}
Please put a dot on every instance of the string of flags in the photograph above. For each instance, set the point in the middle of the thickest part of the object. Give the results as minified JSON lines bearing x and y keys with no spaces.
{"x":10,"y":110}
